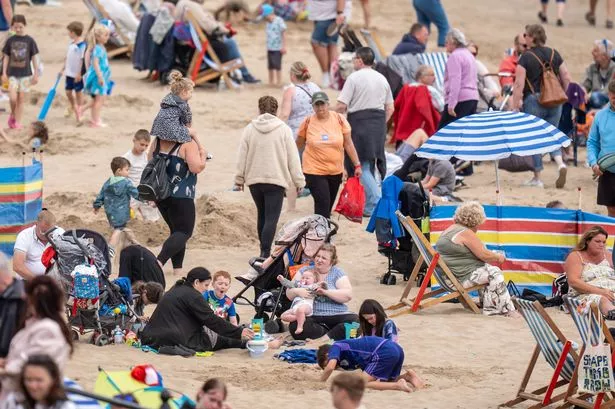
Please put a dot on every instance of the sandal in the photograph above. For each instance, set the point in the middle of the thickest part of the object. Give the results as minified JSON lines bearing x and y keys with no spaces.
{"x":542,"y":17}
{"x":609,"y":24}
{"x":590,"y":18}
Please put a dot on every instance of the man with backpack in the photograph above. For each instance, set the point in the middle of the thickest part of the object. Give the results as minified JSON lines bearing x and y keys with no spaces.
{"x":541,"y":81}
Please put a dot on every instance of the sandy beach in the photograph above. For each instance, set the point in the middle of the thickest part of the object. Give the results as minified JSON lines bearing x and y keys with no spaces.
{"x":469,"y":361}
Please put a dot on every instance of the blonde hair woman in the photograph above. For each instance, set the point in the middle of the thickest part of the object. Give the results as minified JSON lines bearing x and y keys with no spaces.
{"x":469,"y":260}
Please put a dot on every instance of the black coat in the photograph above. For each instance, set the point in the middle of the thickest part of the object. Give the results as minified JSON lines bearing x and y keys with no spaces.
{"x":139,"y":264}
{"x":179,"y":319}
{"x":12,"y":306}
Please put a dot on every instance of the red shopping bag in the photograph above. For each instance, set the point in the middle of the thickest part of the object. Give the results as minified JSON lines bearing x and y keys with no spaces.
{"x":352,"y":200}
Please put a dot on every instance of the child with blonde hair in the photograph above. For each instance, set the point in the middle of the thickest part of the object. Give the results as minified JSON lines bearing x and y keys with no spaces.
{"x":98,"y":76}
{"x":174,"y":120}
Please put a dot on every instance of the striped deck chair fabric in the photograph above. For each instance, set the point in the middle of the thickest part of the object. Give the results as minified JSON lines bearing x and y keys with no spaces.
{"x":582,"y":321}
{"x":438,"y":274}
{"x":81,"y":402}
{"x":550,"y":346}
{"x":438,"y":62}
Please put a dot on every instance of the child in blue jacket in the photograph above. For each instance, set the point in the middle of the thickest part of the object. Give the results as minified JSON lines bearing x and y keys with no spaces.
{"x":115,"y":197}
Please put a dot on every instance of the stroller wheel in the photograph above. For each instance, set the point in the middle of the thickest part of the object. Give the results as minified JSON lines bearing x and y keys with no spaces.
{"x":101,"y":340}
{"x":385,"y":278}
{"x":74,"y":335}
{"x":262,"y":315}
{"x":391,"y":280}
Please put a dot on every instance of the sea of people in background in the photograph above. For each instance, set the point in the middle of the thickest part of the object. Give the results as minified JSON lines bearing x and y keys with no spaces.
{"x":299,"y":146}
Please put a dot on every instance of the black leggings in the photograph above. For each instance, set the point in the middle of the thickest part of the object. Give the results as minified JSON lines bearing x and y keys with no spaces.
{"x":463,"y":108}
{"x":324,"y":191}
{"x":179,"y":214}
{"x":268,"y":199}
{"x":318,"y":326}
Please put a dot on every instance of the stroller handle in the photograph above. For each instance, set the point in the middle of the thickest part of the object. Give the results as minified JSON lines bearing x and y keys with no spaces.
{"x":334,"y":229}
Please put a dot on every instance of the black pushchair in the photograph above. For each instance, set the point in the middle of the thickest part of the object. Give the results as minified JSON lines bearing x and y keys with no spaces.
{"x":401,"y":252}
{"x":296,"y":243}
{"x":112,"y":307}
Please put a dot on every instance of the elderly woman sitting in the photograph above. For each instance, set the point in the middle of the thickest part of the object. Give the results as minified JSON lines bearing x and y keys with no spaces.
{"x":466,"y":256}
{"x":589,"y":268}
{"x":598,"y":74}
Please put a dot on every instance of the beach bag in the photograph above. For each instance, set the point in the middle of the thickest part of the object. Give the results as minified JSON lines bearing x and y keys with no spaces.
{"x":155,"y":184}
{"x":595,"y":372}
{"x":607,"y":161}
{"x":515,"y":163}
{"x":85,"y":282}
{"x":352,"y":200}
{"x":551,"y":92}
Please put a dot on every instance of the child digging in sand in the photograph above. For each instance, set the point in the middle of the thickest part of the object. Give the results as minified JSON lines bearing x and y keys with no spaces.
{"x":115,"y":197}
{"x":380,"y":360}
{"x":20,"y":53}
{"x":301,"y":307}
{"x":98,"y":76}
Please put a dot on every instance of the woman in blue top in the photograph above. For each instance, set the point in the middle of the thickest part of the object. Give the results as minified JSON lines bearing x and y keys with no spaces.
{"x":184,"y":162}
{"x":330,"y":309}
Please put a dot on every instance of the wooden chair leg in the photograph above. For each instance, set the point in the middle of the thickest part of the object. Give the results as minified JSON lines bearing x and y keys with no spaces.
{"x":525,"y":380}
{"x":430,"y":270}
{"x":556,"y":373}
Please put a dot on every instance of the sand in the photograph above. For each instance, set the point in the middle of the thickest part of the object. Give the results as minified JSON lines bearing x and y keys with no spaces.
{"x":469,"y":361}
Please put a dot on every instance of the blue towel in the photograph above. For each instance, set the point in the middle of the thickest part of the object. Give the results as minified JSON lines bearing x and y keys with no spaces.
{"x":298,"y":356}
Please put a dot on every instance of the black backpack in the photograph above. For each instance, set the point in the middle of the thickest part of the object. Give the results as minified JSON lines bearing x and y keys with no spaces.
{"x":155,"y":184}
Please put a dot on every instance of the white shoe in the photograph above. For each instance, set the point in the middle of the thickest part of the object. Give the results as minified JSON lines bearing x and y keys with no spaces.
{"x":53,"y":3}
{"x":534,"y":183}
{"x":326,"y":81}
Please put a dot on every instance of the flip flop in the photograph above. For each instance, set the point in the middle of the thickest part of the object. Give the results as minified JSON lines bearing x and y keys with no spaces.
{"x":590,"y":18}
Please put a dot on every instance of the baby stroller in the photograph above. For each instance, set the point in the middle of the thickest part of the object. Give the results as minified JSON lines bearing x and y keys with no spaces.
{"x":80,"y":262}
{"x":401,"y":253}
{"x":296,"y":243}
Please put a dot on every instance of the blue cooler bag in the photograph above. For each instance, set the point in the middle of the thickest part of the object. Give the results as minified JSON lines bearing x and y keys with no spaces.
{"x":85,"y":282}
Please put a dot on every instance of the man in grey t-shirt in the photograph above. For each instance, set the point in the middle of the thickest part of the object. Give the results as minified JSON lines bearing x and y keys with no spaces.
{"x":440,"y":178}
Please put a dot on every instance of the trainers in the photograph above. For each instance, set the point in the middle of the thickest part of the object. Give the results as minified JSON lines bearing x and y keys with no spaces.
{"x":249,"y":79}
{"x":534,"y":183}
{"x":561,"y":178}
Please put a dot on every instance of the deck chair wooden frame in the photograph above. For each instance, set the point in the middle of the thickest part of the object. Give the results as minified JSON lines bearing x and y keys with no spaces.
{"x":194,"y":70}
{"x":127,"y":47}
{"x":373,"y":41}
{"x":544,"y":395}
{"x":447,"y":291}
{"x":584,"y":323}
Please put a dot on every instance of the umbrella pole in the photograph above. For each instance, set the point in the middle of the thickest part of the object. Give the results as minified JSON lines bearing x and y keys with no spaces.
{"x":579,"y":190}
{"x":497,"y":185}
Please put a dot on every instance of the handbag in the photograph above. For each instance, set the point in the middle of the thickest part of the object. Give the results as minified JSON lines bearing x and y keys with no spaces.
{"x":515,"y":163}
{"x":595,"y":372}
{"x":551,"y":92}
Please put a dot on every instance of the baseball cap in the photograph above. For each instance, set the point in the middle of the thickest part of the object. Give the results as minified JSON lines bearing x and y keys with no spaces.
{"x":319,"y":97}
{"x":266,"y":10}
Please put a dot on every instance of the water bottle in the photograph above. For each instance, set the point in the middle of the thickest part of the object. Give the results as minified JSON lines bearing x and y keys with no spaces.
{"x":118,"y":335}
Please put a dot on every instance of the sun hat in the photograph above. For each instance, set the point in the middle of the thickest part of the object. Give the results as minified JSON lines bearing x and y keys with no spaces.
{"x":266,"y":10}
{"x":319,"y":97}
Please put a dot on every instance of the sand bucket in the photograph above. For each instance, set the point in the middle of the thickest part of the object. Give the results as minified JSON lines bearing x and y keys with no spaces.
{"x":257,"y":348}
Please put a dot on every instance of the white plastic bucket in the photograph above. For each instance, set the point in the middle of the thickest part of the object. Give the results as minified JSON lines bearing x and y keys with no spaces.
{"x":257,"y":348}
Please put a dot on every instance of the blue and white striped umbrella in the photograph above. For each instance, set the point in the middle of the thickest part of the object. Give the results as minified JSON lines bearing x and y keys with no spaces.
{"x":493,"y":135}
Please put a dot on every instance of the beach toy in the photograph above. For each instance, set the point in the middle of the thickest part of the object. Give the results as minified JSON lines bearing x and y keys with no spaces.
{"x":49,"y":100}
{"x":132,"y":213}
{"x":257,"y":348}
{"x":257,"y":327}
{"x":351,"y":329}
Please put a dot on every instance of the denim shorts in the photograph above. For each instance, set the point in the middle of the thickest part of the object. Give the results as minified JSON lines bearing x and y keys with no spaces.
{"x":319,"y":35}
{"x":71,"y":84}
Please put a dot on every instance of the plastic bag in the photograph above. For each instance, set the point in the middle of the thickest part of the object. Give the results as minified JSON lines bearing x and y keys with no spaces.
{"x":352,"y":200}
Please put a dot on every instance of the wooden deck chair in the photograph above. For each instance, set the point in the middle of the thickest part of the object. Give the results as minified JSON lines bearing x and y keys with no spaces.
{"x":205,"y":53}
{"x":437,"y":61}
{"x":124,"y":45}
{"x":450,"y":287}
{"x":587,"y":324}
{"x":555,"y":348}
{"x":373,"y":42}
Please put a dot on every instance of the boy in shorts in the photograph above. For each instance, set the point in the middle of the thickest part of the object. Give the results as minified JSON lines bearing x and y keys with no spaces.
{"x":19,"y":52}
{"x":222,"y":305}
{"x":276,"y":43}
{"x":137,"y":157}
{"x":73,"y":68}
{"x":380,"y":360}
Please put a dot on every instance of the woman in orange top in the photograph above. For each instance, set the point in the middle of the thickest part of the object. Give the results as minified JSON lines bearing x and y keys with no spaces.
{"x":325,"y":136}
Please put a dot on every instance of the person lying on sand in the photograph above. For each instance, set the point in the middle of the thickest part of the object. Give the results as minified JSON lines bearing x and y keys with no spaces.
{"x":380,"y":360}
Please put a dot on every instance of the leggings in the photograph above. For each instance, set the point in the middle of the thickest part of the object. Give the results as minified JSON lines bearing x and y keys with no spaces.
{"x":268,"y":199}
{"x":324,"y":191}
{"x":318,"y":326}
{"x":179,"y":214}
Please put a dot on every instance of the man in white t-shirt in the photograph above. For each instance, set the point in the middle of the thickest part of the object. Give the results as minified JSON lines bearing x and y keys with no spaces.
{"x":323,"y":13}
{"x":30,"y":244}
{"x":368,"y":100}
{"x":137,"y":157}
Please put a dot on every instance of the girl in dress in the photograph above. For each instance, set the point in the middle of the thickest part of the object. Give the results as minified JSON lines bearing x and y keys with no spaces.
{"x":98,"y":75}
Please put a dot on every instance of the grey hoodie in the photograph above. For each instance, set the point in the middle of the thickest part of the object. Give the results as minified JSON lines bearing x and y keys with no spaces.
{"x":268,"y":154}
{"x":171,"y":123}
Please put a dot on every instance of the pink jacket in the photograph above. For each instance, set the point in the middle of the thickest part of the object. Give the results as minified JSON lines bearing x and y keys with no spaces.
{"x":460,"y":78}
{"x":37,"y":337}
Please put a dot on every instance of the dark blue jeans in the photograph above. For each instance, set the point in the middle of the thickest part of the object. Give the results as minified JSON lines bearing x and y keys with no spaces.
{"x":431,"y":11}
{"x":233,"y":52}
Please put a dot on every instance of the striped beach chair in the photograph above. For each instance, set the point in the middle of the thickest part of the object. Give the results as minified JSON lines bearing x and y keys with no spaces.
{"x":119,"y":43}
{"x":449,"y":287}
{"x":373,"y":42}
{"x":81,"y":402}
{"x":438,"y":61}
{"x":554,"y":347}
{"x":590,"y":329}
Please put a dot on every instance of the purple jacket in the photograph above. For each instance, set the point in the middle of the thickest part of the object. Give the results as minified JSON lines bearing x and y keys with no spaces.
{"x":460,"y":80}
